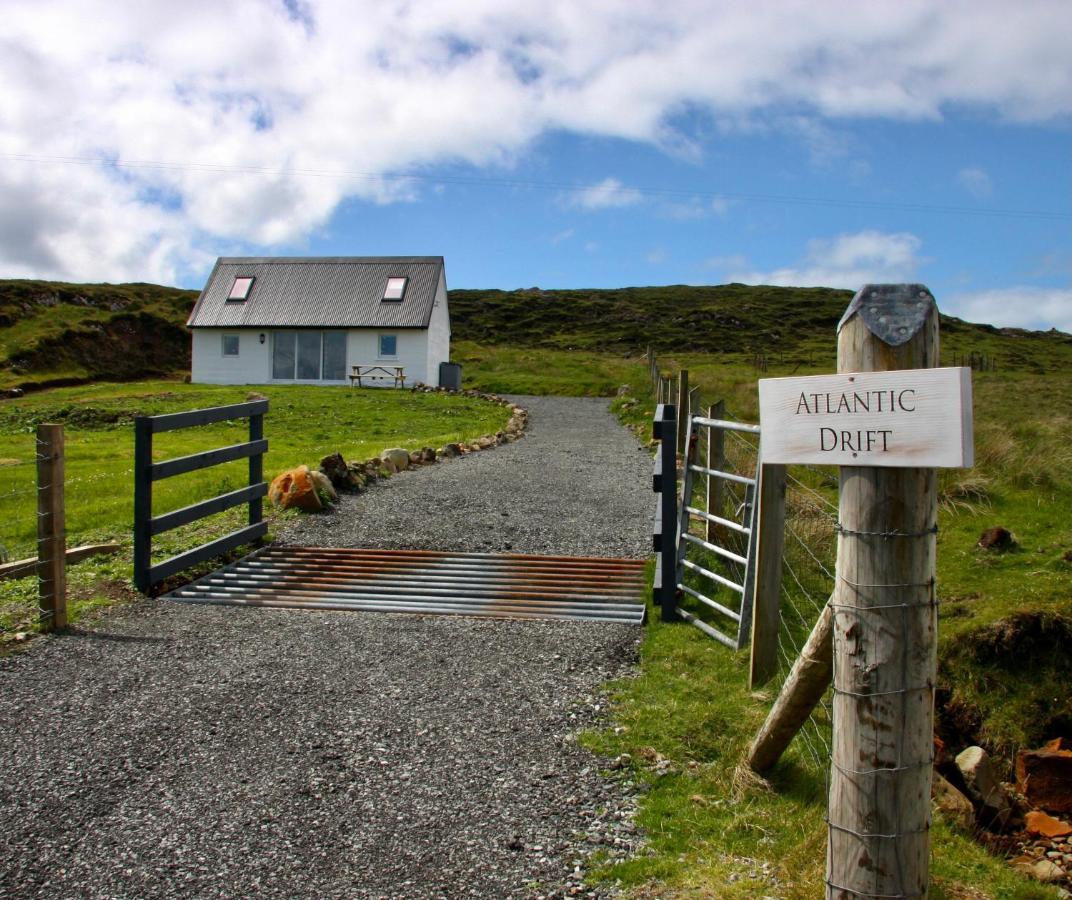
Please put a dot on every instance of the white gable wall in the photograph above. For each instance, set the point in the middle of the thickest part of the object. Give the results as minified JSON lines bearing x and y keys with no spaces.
{"x":438,"y":335}
{"x":253,"y":365}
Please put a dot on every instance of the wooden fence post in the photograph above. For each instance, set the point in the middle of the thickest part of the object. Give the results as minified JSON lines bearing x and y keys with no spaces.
{"x":51,"y":528}
{"x":769,"y":519}
{"x":716,"y":459}
{"x":884,"y":630}
{"x":682,"y":410}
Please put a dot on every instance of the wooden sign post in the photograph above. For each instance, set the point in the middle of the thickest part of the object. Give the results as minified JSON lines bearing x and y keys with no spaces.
{"x":885,"y":623}
{"x":888,"y":418}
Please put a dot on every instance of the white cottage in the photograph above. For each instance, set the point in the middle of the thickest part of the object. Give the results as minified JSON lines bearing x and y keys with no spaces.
{"x":309,"y":320}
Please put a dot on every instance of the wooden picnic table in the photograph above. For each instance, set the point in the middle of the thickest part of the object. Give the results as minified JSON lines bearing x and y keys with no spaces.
{"x":397,"y":374}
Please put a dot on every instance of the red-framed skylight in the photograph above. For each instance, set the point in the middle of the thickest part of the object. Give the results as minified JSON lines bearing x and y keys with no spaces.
{"x":243,"y":284}
{"x":395,"y":289}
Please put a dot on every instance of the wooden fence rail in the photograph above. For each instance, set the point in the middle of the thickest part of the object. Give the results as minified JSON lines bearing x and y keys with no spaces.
{"x":146,"y":472}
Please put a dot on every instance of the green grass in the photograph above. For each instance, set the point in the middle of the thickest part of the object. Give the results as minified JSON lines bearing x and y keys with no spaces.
{"x":709,"y":831}
{"x":303,"y":425}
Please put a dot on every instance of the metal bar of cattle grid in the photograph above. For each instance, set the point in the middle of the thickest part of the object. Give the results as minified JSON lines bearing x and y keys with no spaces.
{"x":417,"y":576}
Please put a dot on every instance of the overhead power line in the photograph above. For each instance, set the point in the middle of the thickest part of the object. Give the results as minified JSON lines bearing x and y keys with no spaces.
{"x":601,"y":187}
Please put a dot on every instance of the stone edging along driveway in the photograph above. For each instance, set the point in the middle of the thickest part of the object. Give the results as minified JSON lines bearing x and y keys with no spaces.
{"x":202,"y":751}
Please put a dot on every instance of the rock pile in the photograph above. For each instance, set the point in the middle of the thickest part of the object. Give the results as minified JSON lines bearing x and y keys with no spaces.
{"x":1030,"y":817}
{"x":298,"y":488}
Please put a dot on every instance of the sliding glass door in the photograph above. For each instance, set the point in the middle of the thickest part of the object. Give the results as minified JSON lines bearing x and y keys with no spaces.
{"x":334,"y":356}
{"x":309,"y":355}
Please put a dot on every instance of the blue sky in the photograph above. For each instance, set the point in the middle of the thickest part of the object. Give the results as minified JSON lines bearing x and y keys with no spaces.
{"x":550,"y":143}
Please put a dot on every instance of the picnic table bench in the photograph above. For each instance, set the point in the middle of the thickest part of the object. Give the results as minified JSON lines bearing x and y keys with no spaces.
{"x":397,"y":374}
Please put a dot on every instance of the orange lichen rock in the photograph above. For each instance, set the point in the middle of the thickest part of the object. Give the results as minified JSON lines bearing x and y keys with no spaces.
{"x":295,"y":489}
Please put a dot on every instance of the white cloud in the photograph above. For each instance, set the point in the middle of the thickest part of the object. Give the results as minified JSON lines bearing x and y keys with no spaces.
{"x":561,"y":236}
{"x":656,"y":256}
{"x":846,"y":261}
{"x":1015,"y":307}
{"x":239,"y":98}
{"x":610,"y":193}
{"x":975,"y":181}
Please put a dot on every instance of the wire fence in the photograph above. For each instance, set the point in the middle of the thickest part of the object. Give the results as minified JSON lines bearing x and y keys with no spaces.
{"x":28,"y":533}
{"x":18,"y":492}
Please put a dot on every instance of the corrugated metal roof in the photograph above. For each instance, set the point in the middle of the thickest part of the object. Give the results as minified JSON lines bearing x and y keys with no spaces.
{"x":319,"y":292}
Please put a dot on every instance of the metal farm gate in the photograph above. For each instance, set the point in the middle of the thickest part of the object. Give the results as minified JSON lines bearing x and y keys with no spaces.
{"x":721,"y":557}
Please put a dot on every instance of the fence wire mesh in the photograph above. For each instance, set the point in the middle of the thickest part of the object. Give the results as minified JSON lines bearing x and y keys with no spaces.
{"x":808,"y":562}
{"x":22,"y":539}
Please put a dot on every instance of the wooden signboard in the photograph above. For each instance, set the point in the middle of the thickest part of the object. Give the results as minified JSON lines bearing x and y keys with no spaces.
{"x":913,"y":418}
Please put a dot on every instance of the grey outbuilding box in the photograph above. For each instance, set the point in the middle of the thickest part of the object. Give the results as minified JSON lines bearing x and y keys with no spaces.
{"x":450,"y":376}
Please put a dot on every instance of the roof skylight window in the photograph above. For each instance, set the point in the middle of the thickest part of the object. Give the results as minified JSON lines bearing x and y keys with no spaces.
{"x":396,"y":288}
{"x":243,"y":284}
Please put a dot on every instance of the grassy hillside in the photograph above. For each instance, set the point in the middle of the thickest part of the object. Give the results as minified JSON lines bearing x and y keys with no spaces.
{"x":54,"y":333}
{"x":51,"y":332}
{"x":786,"y":325}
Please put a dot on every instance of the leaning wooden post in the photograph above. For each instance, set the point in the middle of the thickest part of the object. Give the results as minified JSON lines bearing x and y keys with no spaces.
{"x":51,"y":529}
{"x":770,"y":544}
{"x":801,"y":693}
{"x":682,"y":411}
{"x":885,"y":624}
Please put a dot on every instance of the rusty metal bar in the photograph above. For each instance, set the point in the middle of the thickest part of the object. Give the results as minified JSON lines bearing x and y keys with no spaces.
{"x":428,"y":582}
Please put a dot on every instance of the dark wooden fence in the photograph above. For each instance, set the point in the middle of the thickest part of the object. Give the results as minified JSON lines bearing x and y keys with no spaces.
{"x":146,"y":472}
{"x":664,"y":533}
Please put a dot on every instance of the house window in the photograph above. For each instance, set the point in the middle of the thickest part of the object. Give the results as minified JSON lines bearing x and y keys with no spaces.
{"x":396,"y":288}
{"x":243,"y":284}
{"x":388,"y":346}
{"x":230,"y":345}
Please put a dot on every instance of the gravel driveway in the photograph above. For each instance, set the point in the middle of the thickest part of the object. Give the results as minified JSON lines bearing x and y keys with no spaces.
{"x":223,"y":752}
{"x":576,"y":484}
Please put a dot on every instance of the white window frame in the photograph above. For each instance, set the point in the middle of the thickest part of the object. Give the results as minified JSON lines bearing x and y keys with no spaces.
{"x":379,"y":346}
{"x":223,"y":345}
